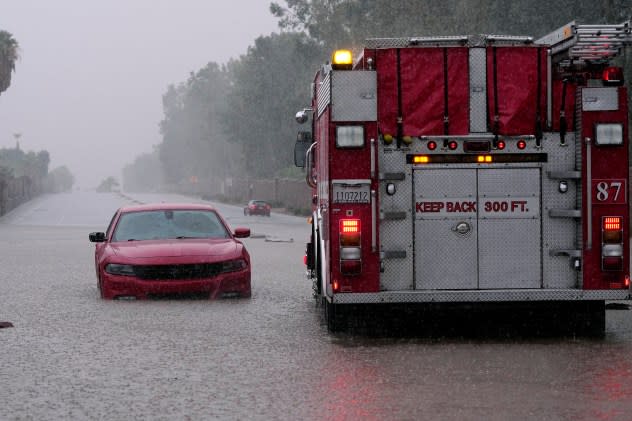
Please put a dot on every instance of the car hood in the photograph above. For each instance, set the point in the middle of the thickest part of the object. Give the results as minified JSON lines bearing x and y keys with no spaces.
{"x":174,"y":248}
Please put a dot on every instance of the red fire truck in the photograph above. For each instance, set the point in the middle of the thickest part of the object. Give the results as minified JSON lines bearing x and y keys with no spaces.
{"x":471,"y":169}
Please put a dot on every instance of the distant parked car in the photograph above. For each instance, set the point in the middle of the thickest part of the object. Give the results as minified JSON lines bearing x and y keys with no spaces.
{"x":170,"y":249}
{"x":257,"y":207}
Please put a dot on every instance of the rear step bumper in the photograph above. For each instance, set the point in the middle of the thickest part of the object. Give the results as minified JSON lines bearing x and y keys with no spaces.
{"x":481,"y":296}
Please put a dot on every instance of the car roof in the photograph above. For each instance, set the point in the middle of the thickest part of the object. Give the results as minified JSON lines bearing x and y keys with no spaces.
{"x":166,"y":206}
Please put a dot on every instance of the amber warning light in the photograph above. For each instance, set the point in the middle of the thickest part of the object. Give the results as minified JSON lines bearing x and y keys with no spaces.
{"x":484,"y":159}
{"x":342,"y":60}
{"x":421,"y":159}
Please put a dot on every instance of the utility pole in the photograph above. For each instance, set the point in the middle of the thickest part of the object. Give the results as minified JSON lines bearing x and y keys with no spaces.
{"x":17,"y":137}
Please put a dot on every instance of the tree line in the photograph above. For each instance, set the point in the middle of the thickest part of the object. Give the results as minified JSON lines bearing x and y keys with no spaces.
{"x":236,"y":119}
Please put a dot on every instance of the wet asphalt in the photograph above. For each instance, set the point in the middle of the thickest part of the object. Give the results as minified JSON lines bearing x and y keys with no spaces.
{"x":71,"y":355}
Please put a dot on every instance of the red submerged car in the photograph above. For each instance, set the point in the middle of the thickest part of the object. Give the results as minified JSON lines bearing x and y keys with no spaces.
{"x":170,"y":249}
{"x":257,"y":207}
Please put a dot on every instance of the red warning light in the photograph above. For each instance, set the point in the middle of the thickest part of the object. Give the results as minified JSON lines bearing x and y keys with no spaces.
{"x":500,"y":145}
{"x":522,"y":144}
{"x":452,"y":145}
{"x":612,"y":76}
{"x":432,"y":145}
{"x":349,"y":225}
{"x":612,"y":223}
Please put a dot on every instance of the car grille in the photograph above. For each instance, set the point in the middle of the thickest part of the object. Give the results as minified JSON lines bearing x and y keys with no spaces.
{"x":193,"y":271}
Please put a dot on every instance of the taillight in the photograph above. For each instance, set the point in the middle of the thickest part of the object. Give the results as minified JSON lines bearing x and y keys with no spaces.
{"x":522,"y":144}
{"x":452,"y":145}
{"x":308,"y":259}
{"x":350,"y":232}
{"x":612,"y":76}
{"x":612,"y":243}
{"x":350,"y":246}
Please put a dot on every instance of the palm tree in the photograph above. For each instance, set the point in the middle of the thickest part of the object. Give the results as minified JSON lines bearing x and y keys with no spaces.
{"x":9,"y":49}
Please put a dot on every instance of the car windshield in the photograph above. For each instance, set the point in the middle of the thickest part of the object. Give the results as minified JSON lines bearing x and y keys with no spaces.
{"x":165,"y":224}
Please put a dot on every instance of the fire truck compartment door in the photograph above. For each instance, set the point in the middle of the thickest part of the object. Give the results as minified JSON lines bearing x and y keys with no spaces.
{"x":445,"y":229}
{"x":477,"y":228}
{"x":509,"y":246}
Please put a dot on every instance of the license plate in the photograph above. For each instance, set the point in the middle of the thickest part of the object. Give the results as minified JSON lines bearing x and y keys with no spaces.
{"x":351,"y":193}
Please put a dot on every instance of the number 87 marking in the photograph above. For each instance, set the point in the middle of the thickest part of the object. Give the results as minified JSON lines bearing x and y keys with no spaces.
{"x":609,"y":191}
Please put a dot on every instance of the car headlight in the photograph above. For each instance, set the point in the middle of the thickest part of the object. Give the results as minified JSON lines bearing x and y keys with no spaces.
{"x":234,"y":265}
{"x":116,"y":269}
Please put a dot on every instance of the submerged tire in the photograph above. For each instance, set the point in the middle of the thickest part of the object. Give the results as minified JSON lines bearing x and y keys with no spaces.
{"x":590,"y":318}
{"x":577,"y":318}
{"x":335,"y":316}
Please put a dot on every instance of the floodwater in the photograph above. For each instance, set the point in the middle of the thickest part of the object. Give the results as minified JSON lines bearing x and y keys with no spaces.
{"x":71,"y":355}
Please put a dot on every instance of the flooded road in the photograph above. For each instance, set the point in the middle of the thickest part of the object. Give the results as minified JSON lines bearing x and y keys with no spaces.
{"x":71,"y":355}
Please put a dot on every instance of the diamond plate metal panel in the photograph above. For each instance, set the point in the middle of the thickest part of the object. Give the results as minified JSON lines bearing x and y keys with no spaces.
{"x":559,"y":233}
{"x":483,"y":296}
{"x":324,"y":94}
{"x":396,"y":236}
{"x":478,"y":90}
{"x":354,"y":95}
{"x":600,"y":99}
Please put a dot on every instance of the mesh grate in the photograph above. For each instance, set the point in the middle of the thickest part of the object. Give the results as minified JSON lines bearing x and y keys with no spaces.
{"x":172,"y":272}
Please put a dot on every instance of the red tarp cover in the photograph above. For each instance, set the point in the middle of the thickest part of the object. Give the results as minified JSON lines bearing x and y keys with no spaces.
{"x":422,"y":88}
{"x":517,"y":85}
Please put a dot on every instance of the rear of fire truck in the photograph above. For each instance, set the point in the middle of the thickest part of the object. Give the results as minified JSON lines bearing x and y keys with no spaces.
{"x":471,"y":169}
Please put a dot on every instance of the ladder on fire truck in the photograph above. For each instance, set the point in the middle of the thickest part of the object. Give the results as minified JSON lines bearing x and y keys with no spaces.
{"x":588,"y":43}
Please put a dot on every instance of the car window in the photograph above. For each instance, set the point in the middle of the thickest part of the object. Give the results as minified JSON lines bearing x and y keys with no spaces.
{"x":163,"y":224}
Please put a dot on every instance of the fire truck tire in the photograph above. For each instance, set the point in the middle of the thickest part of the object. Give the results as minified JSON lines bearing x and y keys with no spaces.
{"x":333,"y":316}
{"x":590,"y":318}
{"x":317,"y":263}
{"x":578,"y":318}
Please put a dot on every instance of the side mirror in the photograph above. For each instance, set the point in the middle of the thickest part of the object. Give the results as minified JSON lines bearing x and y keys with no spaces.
{"x":96,"y":237}
{"x":242,"y":232}
{"x":301,"y":117}
{"x":303,"y":142}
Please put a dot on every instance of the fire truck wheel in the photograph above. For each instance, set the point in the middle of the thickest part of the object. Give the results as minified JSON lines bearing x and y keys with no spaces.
{"x":330,"y":316}
{"x":319,"y":276}
{"x":335,"y":316}
{"x":590,"y":318}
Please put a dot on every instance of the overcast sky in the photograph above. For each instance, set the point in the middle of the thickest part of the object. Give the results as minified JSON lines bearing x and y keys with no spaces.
{"x":88,"y":86}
